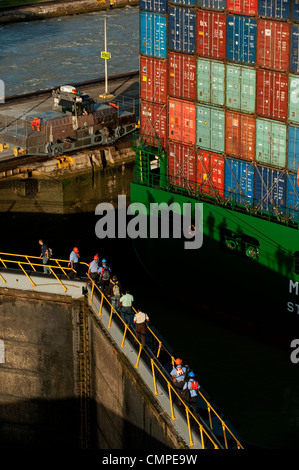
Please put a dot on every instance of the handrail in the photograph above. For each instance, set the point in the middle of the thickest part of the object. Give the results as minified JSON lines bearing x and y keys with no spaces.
{"x":171,"y":389}
{"x":57,"y":265}
{"x":23,"y":261}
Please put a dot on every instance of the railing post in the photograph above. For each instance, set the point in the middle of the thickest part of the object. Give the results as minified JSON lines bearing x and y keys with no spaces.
{"x":137,"y":362}
{"x":101,"y":305}
{"x":224,"y":435}
{"x":125,"y":332}
{"x":154,"y":376}
{"x":170,"y":400}
{"x":91,"y":294}
{"x":189,"y":429}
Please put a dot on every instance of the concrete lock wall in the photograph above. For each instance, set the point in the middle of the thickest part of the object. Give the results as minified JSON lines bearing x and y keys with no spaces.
{"x":38,"y":406}
{"x":54,"y":392}
{"x":127,"y":414}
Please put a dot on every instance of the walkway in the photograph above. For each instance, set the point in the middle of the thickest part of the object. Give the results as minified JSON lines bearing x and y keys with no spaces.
{"x":208,"y":429}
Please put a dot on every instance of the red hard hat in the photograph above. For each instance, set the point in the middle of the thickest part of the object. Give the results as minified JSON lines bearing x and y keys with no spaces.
{"x":178,"y":361}
{"x":76,"y":250}
{"x":96,"y":258}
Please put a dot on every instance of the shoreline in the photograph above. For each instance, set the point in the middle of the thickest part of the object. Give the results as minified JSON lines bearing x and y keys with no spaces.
{"x":41,"y":10}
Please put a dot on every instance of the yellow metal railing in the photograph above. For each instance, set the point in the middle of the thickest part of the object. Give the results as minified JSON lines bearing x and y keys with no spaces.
{"x":171,"y":390}
{"x":29,"y":263}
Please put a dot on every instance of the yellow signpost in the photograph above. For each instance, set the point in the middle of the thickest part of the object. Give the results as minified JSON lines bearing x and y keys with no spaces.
{"x":105,"y":55}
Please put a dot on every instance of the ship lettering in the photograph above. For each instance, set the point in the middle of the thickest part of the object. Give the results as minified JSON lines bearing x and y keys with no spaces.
{"x":295,"y":354}
{"x":291,"y":307}
{"x":293,"y":285}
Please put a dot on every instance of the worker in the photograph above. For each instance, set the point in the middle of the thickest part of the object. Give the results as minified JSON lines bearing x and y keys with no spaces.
{"x":93,"y":269}
{"x":74,"y":262}
{"x":178,"y":375}
{"x":189,"y":392}
{"x":126,"y":308}
{"x":140,"y":319}
{"x":104,"y":275}
{"x":114,"y":292}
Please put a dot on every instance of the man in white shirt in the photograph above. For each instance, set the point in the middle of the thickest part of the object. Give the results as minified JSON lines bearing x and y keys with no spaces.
{"x":140,"y":320}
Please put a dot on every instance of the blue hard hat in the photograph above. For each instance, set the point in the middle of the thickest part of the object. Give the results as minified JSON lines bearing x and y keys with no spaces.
{"x":191,"y":374}
{"x":103,"y":261}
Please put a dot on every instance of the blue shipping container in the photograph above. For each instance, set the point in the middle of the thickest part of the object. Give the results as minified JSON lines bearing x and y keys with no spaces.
{"x":295,"y":10}
{"x":217,"y":5}
{"x":292,"y":197}
{"x":239,"y":181}
{"x":270,"y":190}
{"x":293,"y":148}
{"x":241,"y":39}
{"x":279,"y":9}
{"x":186,"y":3}
{"x":294,"y":48}
{"x":157,"y":6}
{"x":182,"y":25}
{"x":153,"y":34}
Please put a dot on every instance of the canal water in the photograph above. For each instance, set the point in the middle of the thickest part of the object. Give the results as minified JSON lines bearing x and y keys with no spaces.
{"x":252,"y":382}
{"x":59,"y":51}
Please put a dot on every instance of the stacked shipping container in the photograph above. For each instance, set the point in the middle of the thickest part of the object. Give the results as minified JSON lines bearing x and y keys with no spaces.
{"x":219,"y":84}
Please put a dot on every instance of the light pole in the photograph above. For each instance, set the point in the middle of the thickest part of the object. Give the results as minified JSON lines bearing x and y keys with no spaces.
{"x":106,"y":56}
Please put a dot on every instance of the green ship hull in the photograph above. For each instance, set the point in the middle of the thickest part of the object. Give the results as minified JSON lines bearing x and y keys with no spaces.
{"x":244,"y":273}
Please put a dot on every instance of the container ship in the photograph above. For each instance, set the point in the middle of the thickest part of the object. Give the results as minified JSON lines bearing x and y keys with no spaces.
{"x":219,"y":125}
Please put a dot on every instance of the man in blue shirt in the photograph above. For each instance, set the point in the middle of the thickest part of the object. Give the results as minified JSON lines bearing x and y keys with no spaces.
{"x":189,"y":392}
{"x":178,"y":374}
{"x":74,"y":261}
{"x":93,"y":269}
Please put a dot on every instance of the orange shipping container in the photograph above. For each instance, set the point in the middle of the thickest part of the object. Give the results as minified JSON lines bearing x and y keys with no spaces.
{"x":182,"y":76}
{"x":271,"y":94}
{"x":240,"y":135}
{"x":273,"y":44}
{"x":153,"y":79}
{"x":210,"y":173}
{"x":153,"y":122}
{"x":182,"y":121}
{"x":182,"y":166}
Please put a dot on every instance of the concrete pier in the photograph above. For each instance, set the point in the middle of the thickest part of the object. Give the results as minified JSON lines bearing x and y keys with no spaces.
{"x":43,"y":10}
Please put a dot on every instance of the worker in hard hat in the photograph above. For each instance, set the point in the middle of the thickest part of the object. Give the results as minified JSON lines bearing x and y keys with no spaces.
{"x":104,"y":274}
{"x":178,"y":375}
{"x":93,"y":269}
{"x":74,"y":262}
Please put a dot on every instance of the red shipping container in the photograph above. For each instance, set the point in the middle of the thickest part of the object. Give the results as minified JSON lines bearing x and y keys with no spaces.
{"x":182,"y":121}
{"x":153,"y":79}
{"x":182,"y":76}
{"x":153,"y":122}
{"x":244,"y":7}
{"x":211,"y":34}
{"x":182,"y":166}
{"x":240,"y":135}
{"x":210,"y":173}
{"x":273,"y":44}
{"x":272,"y":94}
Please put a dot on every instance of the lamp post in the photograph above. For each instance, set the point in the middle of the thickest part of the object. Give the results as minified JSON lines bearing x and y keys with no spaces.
{"x":106,"y":56}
